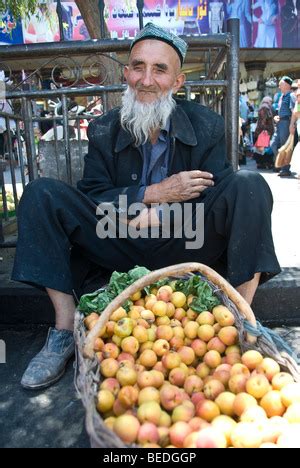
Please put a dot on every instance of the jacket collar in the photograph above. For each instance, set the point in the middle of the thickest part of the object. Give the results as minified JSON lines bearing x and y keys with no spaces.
{"x":181,"y":128}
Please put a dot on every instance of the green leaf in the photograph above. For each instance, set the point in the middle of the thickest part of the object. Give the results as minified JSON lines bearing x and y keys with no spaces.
{"x":205,"y":298}
{"x":20,"y":8}
{"x":99,"y":300}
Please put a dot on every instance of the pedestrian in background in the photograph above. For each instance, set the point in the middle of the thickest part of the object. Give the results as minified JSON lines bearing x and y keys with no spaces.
{"x":285,"y":109}
{"x":265,"y":129}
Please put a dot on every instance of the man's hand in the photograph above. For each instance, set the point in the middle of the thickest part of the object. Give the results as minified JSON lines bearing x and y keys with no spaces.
{"x":179,"y":187}
{"x":276,"y":119}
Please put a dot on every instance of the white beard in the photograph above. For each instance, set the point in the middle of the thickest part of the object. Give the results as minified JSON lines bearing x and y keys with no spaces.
{"x":141,"y":119}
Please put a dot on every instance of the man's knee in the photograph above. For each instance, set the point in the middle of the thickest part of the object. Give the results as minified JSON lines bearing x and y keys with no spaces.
{"x":38,"y":187}
{"x":252,"y":188}
{"x":250,"y":181}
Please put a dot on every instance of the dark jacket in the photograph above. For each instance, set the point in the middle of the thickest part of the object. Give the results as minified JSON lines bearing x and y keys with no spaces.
{"x":113,"y":165}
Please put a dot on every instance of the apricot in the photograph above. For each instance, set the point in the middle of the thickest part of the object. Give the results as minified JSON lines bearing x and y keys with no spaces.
{"x":252,"y":359}
{"x":178,"y":433}
{"x":148,"y":358}
{"x":126,"y":376}
{"x":211,"y":437}
{"x":228,"y":335}
{"x":193,"y":384}
{"x":225,"y":425}
{"x":130,"y":345}
{"x":269,"y":368}
{"x":246,"y":435}
{"x":186,"y":355}
{"x":290,"y":394}
{"x":149,"y":411}
{"x":148,"y":433}
{"x":159,"y":308}
{"x":206,"y":333}
{"x":272,"y":404}
{"x":147,"y":394}
{"x":258,"y":386}
{"x":191,"y":329}
{"x":281,"y":380}
{"x":225,"y":402}
{"x":183,"y":413}
{"x":105,"y":401}
{"x":242,"y":402}
{"x":206,"y":318}
{"x":109,"y":367}
{"x":177,"y":376}
{"x":178,"y":299}
{"x":128,"y":396}
{"x":140,"y":333}
{"x":127,"y":428}
{"x":207,"y":410}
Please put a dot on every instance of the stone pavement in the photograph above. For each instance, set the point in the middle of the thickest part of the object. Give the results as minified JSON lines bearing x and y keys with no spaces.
{"x":286,"y":216}
{"x":49,"y":418}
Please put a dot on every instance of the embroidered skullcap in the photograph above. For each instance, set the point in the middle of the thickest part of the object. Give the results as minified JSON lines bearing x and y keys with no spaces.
{"x":287,"y":79}
{"x":151,"y":31}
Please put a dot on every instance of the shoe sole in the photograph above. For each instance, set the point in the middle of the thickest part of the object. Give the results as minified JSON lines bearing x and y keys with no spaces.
{"x":45,"y":385}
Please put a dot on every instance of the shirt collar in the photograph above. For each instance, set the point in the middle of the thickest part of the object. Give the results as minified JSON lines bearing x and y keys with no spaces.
{"x":179,"y":124}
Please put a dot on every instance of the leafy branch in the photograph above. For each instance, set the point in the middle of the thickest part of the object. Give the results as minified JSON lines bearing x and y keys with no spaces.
{"x":20,"y":8}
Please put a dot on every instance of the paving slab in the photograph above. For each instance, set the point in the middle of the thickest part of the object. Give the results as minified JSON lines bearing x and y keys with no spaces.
{"x":49,"y":418}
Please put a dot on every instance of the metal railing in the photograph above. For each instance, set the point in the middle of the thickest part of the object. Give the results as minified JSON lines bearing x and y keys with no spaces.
{"x":219,"y":90}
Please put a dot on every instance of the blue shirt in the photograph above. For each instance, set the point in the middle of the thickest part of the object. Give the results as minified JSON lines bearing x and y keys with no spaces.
{"x":155,"y":161}
{"x":286,"y":105}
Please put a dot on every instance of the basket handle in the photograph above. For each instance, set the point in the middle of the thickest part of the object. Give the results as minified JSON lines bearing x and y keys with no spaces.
{"x":174,"y":270}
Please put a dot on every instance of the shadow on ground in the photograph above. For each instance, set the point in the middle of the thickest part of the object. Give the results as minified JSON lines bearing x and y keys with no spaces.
{"x":50,"y":418}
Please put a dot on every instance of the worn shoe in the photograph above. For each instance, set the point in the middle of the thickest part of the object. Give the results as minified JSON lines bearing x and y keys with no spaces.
{"x":49,"y":365}
{"x":285,"y":174}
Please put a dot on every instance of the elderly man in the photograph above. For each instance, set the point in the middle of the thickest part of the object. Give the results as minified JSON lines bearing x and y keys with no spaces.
{"x":154,"y":150}
{"x":283,"y":119}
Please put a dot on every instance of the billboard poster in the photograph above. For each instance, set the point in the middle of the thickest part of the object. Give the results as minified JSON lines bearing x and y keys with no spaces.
{"x":263,"y":23}
{"x":10,"y":30}
{"x":43,"y":26}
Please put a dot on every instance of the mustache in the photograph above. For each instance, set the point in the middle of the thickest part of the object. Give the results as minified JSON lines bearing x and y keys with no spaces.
{"x":150,"y":89}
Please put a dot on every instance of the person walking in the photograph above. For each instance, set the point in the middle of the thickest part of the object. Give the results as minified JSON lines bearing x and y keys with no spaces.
{"x":295,"y":130}
{"x":265,"y":129}
{"x":283,"y":120}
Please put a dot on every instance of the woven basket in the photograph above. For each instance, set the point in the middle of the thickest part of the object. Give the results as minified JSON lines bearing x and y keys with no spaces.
{"x":88,"y":376}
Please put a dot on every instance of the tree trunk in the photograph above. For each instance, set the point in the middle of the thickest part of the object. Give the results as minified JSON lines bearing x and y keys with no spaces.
{"x":89,"y":10}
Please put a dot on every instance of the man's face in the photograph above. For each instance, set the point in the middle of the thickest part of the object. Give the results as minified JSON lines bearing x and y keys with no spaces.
{"x":153,"y":70}
{"x":284,"y":87}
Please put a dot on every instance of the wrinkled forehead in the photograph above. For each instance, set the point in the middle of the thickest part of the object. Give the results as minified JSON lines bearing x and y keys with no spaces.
{"x":154,"y":51}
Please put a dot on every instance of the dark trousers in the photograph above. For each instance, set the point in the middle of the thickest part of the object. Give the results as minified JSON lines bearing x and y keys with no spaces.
{"x":54,"y":217}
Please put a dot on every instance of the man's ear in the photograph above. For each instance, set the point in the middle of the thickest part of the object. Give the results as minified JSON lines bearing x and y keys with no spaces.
{"x":180,"y":80}
{"x":125,"y":72}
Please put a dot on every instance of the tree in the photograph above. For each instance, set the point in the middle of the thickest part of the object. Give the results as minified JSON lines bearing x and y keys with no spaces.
{"x":19,"y":8}
{"x":88,"y":8}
